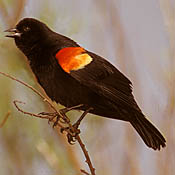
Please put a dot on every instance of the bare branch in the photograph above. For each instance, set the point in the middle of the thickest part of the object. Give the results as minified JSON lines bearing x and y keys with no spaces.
{"x":88,"y":160}
{"x":63,"y":117}
{"x":32,"y":114}
{"x":5,"y":119}
{"x":83,"y":171}
{"x":27,"y":113}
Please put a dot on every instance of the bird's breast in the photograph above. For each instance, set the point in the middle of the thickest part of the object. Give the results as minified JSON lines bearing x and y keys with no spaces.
{"x":60,"y":86}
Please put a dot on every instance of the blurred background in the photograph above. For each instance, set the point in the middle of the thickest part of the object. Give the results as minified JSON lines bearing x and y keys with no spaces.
{"x":138,"y":37}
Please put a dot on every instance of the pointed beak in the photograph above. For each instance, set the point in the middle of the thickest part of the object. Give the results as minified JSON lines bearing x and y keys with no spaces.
{"x":13,"y":33}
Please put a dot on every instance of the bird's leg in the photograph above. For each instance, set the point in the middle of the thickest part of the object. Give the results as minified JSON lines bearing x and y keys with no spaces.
{"x":65,"y":110}
{"x":74,"y":131}
{"x":77,"y":123}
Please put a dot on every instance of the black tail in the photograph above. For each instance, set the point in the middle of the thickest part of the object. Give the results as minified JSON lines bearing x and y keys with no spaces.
{"x":150,"y":135}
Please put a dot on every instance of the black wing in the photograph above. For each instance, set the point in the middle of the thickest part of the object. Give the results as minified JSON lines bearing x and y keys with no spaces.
{"x":104,"y":79}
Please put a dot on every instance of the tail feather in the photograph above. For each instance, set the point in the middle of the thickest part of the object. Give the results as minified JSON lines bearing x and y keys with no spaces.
{"x":148,"y":132}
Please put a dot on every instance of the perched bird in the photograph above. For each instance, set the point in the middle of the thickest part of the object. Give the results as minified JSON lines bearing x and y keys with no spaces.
{"x":72,"y":75}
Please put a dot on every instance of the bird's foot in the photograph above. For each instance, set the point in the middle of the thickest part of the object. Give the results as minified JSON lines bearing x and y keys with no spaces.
{"x":52,"y":116}
{"x":72,"y":132}
{"x":77,"y":124}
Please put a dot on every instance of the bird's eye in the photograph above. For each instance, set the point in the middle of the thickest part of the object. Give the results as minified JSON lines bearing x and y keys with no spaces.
{"x":26,"y":29}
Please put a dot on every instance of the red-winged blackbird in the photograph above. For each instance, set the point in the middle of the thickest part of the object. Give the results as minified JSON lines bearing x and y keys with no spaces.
{"x":71,"y":75}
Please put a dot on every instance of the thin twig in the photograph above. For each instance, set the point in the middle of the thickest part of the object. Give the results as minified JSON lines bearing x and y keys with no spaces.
{"x":5,"y":119}
{"x":27,"y":113}
{"x":69,"y":151}
{"x":83,"y":171}
{"x":31,"y":114}
{"x":88,"y":160}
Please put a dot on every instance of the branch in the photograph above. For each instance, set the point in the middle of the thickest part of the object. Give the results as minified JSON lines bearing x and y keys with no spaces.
{"x":88,"y":160}
{"x":59,"y":123}
{"x":5,"y":119}
{"x":31,"y":114}
{"x":83,"y":171}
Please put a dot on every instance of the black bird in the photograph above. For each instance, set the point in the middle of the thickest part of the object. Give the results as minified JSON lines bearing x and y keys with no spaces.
{"x":72,"y":75}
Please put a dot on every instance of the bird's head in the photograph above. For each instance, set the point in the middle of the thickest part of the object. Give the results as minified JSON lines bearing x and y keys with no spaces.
{"x":27,"y":33}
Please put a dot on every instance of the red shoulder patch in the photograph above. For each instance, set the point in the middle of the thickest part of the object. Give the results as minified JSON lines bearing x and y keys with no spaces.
{"x":73,"y":58}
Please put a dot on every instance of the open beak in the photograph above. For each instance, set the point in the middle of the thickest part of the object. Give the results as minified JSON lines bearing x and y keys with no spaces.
{"x":13,"y":33}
